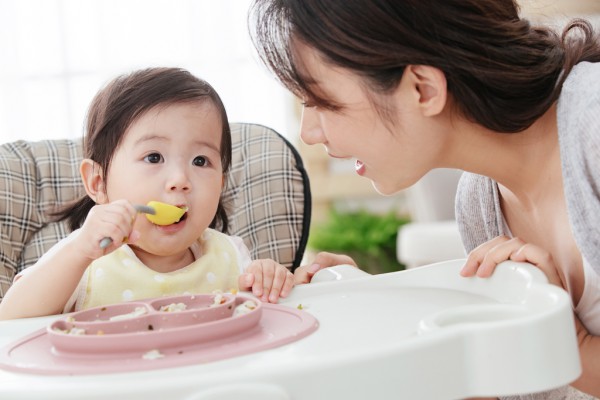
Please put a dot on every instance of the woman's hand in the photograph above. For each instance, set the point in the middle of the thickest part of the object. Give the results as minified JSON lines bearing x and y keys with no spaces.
{"x":483,"y":260}
{"x":322,"y":260}
{"x":113,"y":220}
{"x":267,"y":280}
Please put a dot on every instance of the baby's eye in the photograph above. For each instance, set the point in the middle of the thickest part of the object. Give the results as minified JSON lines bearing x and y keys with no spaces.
{"x":200,"y":161}
{"x":153,"y":158}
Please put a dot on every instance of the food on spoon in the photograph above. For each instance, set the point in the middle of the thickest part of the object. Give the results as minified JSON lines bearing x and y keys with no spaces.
{"x":166,"y":214}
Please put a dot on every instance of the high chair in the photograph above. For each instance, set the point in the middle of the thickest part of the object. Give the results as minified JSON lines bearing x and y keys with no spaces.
{"x":267,"y":196}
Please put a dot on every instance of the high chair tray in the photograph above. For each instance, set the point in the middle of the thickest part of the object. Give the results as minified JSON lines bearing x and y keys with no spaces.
{"x":424,"y":333}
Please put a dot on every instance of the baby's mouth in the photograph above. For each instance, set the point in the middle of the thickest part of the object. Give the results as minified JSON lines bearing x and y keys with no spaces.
{"x":183,"y":218}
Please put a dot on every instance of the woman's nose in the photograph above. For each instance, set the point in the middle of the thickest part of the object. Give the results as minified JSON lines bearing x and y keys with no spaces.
{"x":310,"y":127}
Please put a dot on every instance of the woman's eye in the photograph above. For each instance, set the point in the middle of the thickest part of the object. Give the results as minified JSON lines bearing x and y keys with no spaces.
{"x":200,"y":161}
{"x":153,"y":158}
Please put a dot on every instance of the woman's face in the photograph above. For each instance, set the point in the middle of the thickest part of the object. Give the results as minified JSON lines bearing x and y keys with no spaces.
{"x":170,"y":154}
{"x":392,"y":154}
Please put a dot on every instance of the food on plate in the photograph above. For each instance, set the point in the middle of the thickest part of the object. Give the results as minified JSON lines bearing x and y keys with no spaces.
{"x":152,"y":355}
{"x":244,"y":308}
{"x":138,"y":312}
{"x":173,"y":307}
{"x":71,"y":331}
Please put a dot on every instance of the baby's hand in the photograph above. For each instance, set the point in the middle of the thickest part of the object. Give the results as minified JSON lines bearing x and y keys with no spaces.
{"x":267,"y":279}
{"x":113,"y":220}
{"x":482,"y":261}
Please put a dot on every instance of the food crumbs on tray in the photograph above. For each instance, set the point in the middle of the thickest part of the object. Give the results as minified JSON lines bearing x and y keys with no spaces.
{"x":72,"y":331}
{"x":300,"y":307}
{"x":233,"y":291}
{"x":150,"y":327}
{"x":244,"y":308}
{"x":218,"y":300}
{"x":139,"y":311}
{"x":153,"y":355}
{"x":173,"y":307}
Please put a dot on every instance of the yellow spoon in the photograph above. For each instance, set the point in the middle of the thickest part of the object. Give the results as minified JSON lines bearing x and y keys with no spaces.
{"x":158,"y":213}
{"x":164,"y":214}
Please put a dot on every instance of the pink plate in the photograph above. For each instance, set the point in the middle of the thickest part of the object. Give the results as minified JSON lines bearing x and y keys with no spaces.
{"x":141,"y":337}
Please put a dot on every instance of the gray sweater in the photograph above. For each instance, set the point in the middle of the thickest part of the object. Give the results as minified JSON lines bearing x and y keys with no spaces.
{"x":478,"y":210}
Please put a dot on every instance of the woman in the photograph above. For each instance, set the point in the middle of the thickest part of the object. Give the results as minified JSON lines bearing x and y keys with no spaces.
{"x":405,"y":87}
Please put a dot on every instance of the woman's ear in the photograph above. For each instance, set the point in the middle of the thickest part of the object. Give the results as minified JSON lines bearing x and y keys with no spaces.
{"x":430,"y":88}
{"x":93,"y":181}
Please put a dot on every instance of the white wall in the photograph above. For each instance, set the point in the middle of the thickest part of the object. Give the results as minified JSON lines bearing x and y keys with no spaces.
{"x":55,"y":55}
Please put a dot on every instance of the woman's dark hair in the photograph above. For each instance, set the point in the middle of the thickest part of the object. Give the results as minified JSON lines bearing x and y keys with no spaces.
{"x":502,"y":72}
{"x":121,"y":102}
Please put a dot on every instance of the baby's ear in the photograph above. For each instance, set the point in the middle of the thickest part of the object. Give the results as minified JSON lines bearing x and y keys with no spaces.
{"x":93,"y":181}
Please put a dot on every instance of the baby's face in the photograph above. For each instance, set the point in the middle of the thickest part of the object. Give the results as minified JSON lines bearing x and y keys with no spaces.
{"x":171,"y":154}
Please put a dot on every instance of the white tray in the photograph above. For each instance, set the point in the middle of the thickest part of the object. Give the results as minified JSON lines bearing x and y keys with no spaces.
{"x":425,"y":333}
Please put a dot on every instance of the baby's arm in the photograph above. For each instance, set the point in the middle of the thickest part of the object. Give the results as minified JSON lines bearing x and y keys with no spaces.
{"x":48,"y":285}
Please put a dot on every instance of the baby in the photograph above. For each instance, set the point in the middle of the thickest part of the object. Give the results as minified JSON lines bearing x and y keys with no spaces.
{"x":157,"y":134}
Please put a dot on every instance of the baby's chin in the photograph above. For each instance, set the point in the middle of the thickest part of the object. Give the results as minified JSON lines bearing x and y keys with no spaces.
{"x":165,"y":257}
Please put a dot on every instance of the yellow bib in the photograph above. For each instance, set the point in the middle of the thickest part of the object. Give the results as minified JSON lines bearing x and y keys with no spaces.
{"x":121,"y":276}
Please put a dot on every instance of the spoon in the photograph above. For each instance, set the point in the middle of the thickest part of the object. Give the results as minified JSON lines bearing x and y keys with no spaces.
{"x":158,"y":213}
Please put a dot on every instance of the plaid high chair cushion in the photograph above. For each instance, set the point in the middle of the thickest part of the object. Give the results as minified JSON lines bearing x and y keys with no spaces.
{"x":267,"y":196}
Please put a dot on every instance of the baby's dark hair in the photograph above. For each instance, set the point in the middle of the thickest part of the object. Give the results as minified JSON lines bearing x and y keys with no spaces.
{"x":121,"y":102}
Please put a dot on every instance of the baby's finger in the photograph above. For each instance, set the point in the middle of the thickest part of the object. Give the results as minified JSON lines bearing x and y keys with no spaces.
{"x":257,"y":285}
{"x":245,"y":281}
{"x":268,"y":274}
{"x":288,"y":285}
{"x":278,"y":283}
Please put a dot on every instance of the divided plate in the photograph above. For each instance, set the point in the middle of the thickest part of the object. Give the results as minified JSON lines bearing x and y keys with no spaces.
{"x":156,"y":333}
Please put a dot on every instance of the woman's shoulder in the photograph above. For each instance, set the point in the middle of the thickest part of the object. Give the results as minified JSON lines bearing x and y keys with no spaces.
{"x":474,"y":190}
{"x":585,"y":71}
{"x":580,"y":91}
{"x":477,"y":209}
{"x":578,"y":117}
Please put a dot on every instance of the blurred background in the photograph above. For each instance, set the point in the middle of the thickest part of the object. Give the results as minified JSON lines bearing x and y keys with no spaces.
{"x":55,"y":55}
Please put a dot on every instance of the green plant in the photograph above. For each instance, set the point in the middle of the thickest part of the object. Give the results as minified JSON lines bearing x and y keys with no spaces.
{"x":367,"y":237}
